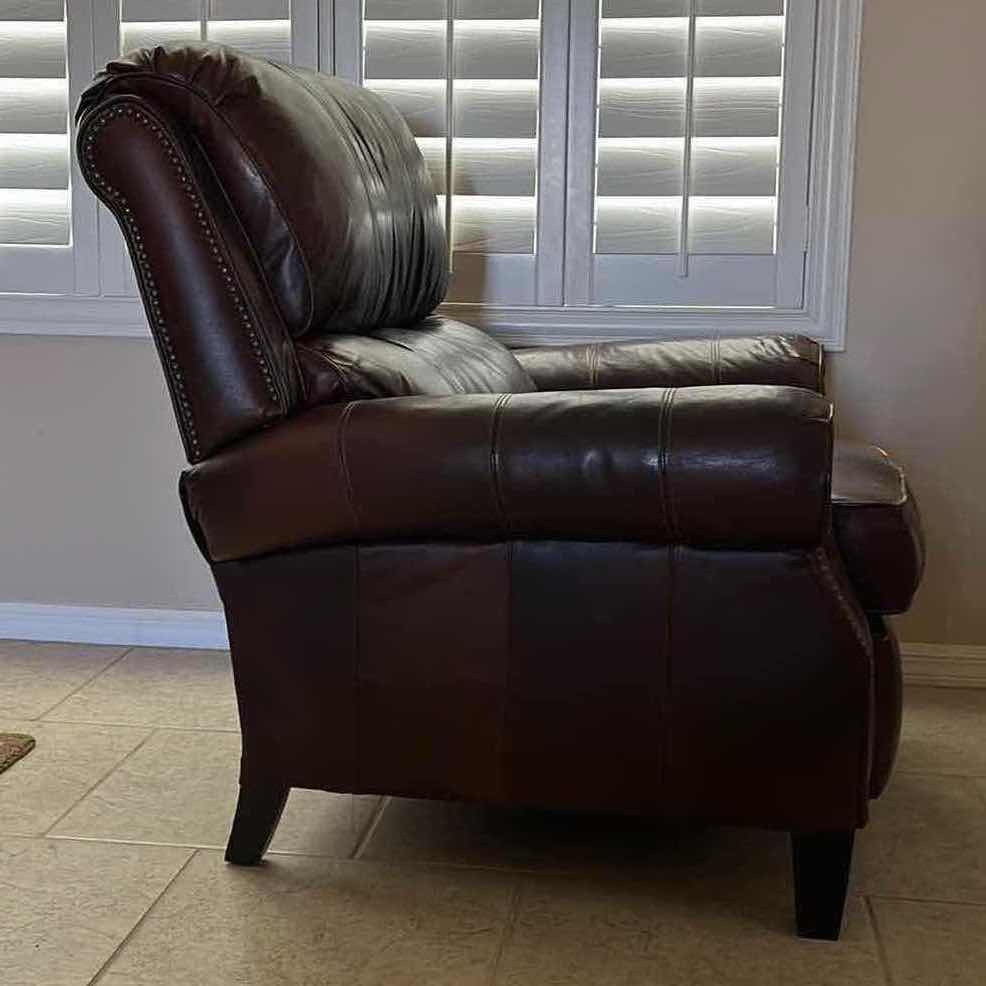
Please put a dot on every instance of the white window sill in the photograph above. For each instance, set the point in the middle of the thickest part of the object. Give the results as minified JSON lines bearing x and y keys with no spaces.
{"x":64,"y":315}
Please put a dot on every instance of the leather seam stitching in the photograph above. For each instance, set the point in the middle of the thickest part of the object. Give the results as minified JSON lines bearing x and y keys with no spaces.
{"x":347,"y":413}
{"x":501,"y":773}
{"x":666,"y":705}
{"x":498,"y":407}
{"x":819,"y":564}
{"x":664,"y":438}
{"x":357,"y":640}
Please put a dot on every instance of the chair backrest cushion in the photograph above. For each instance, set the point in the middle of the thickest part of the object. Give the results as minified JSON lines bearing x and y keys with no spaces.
{"x":324,"y":177}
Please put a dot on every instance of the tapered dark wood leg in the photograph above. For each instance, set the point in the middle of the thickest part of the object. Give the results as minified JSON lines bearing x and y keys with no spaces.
{"x":821,"y":878}
{"x":258,"y":811}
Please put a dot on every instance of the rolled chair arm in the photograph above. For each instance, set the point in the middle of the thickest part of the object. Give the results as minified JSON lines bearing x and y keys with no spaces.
{"x":791,"y":361}
{"x":738,"y":467}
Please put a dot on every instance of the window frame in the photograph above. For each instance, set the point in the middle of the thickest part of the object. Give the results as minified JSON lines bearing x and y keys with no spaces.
{"x":822,"y":314}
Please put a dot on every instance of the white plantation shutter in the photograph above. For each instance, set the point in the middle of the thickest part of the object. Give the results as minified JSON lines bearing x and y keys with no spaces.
{"x":35,"y":212}
{"x":587,"y":154}
{"x":695,"y":195}
{"x":470,"y":78}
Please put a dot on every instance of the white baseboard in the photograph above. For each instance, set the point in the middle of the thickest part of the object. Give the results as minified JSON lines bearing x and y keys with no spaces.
{"x":944,"y":665}
{"x":105,"y":625}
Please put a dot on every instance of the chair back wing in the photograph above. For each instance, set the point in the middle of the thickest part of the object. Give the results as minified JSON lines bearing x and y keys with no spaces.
{"x":260,"y":203}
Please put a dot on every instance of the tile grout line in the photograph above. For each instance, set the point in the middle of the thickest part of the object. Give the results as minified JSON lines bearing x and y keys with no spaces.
{"x":371,"y":827}
{"x":981,"y":791}
{"x":428,"y":864}
{"x":126,"y":938}
{"x":508,"y":929}
{"x":98,"y":782}
{"x":878,"y":938}
{"x":102,"y":841}
{"x":911,"y":772}
{"x":116,"y":660}
{"x":146,"y":725}
{"x":937,"y":901}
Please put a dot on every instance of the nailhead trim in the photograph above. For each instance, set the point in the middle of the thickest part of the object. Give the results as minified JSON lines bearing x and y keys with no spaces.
{"x":121,"y":207}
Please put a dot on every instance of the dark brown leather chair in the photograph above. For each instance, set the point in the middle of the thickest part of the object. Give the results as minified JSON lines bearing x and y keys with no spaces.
{"x":628,"y":577}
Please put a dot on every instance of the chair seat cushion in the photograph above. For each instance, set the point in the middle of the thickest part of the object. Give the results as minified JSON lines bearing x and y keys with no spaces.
{"x":877,"y":527}
{"x":438,"y":357}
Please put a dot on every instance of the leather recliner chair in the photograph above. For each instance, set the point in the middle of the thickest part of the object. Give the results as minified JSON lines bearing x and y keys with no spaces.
{"x":630,"y":577}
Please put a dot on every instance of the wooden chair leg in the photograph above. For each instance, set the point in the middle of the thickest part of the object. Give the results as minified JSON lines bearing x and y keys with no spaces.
{"x":821,"y":879}
{"x":258,"y":810}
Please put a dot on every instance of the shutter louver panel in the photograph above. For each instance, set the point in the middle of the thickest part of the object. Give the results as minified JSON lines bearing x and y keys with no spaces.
{"x":258,"y":27}
{"x":688,"y":130}
{"x":34,"y":151}
{"x":495,"y":94}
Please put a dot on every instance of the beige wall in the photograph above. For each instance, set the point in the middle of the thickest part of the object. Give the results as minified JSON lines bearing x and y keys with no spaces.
{"x":88,"y":509}
{"x":912,"y":376}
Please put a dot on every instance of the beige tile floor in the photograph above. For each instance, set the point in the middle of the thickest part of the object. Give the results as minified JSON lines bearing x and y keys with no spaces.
{"x":111,"y":868}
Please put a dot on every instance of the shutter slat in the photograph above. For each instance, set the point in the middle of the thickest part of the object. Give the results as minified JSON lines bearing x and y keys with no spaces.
{"x":679,"y":8}
{"x":654,"y":47}
{"x":734,"y":166}
{"x":33,"y":161}
{"x":717,"y":225}
{"x":493,"y":224}
{"x":265,"y":39}
{"x":437,"y":9}
{"x":726,"y":225}
{"x":163,"y":11}
{"x":737,"y":107}
{"x":638,"y":225}
{"x":731,"y":166}
{"x":485,"y":49}
{"x":250,"y":10}
{"x":34,"y":217}
{"x":649,"y":48}
{"x":739,"y":46}
{"x":32,"y":10}
{"x":135,"y":11}
{"x":33,"y":106}
{"x":651,"y":168}
{"x":32,"y":50}
{"x":656,"y":107}
{"x":501,"y":108}
{"x":150,"y":34}
{"x":484,"y":167}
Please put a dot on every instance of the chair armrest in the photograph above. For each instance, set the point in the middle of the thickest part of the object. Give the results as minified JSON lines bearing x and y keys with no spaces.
{"x":740,"y":467}
{"x":877,"y":527}
{"x":791,"y":361}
